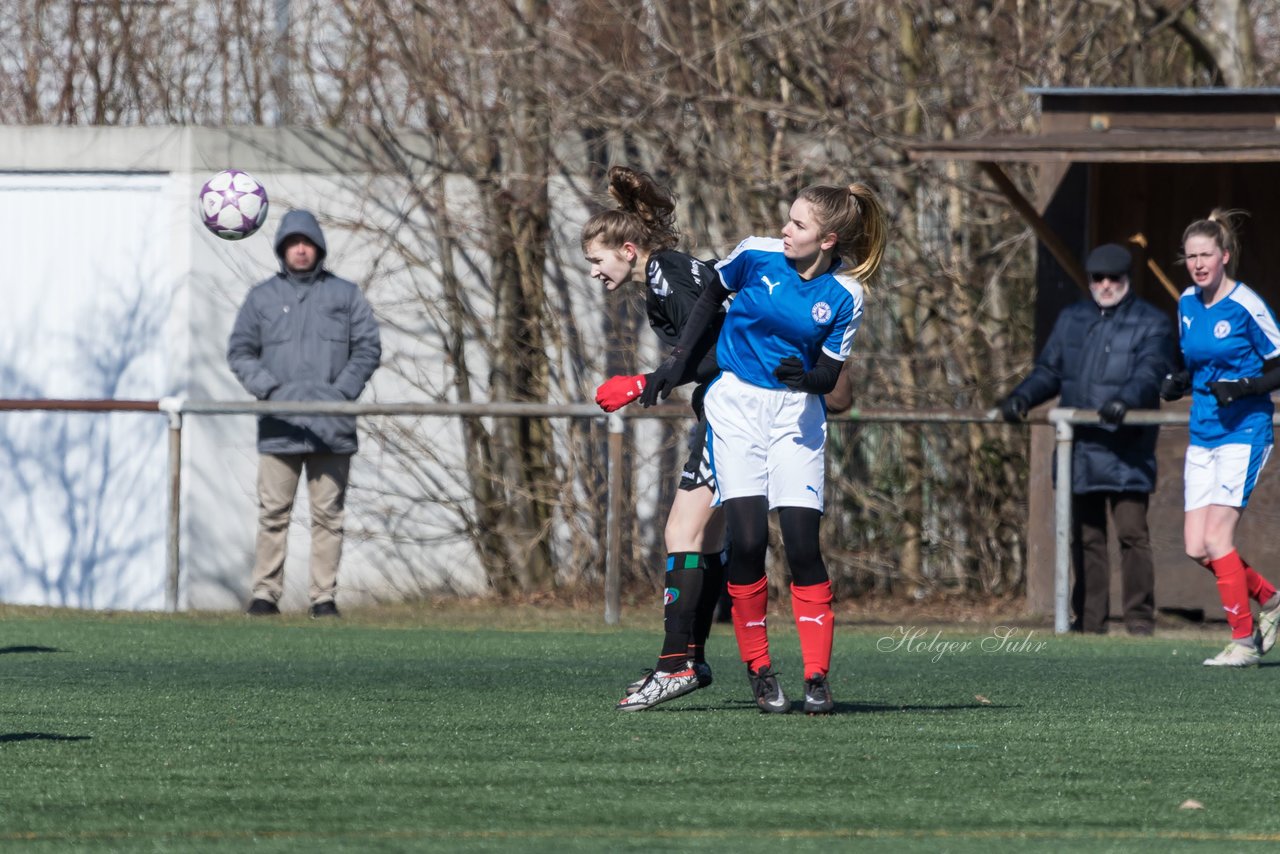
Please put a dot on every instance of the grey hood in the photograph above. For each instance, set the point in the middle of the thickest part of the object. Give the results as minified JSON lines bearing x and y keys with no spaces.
{"x":304,"y":223}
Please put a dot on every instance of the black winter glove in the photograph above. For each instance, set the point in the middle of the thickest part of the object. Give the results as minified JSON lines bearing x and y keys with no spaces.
{"x":665,"y":379}
{"x":1014,"y":408}
{"x":790,"y":372}
{"x":1112,"y":412}
{"x":1175,"y":385}
{"x":1228,"y":392}
{"x":819,"y":379}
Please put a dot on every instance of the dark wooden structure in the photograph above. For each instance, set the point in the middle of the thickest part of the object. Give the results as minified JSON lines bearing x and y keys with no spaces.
{"x":1135,"y":166}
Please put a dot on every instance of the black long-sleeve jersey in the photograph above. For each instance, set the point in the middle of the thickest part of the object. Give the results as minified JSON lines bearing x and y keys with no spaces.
{"x":674,"y":282}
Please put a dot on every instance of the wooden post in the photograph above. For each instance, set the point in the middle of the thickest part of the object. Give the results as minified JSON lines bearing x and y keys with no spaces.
{"x":1047,"y":235}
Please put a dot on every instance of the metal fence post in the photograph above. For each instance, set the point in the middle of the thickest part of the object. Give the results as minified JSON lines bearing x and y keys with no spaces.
{"x":613,"y":524}
{"x":1064,"y":433}
{"x":172,"y":406}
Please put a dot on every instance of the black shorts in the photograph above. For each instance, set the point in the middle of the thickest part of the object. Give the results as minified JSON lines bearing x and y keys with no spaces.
{"x":697,"y":469}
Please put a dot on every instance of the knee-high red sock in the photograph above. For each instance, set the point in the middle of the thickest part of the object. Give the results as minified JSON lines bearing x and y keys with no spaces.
{"x":1260,"y":590}
{"x":1233,"y":590}
{"x":815,"y":621}
{"x":750,"y":604}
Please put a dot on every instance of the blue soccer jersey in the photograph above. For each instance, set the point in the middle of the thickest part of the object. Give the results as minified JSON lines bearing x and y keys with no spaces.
{"x":1226,"y":341}
{"x":777,"y":314}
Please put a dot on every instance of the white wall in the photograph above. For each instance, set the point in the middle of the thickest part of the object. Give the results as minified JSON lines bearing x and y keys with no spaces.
{"x":115,"y":291}
{"x":92,"y":307}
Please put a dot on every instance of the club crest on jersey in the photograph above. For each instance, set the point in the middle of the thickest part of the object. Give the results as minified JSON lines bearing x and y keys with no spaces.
{"x":1221,"y":329}
{"x":821,"y":312}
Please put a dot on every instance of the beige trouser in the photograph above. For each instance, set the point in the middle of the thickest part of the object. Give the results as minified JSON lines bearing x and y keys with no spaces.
{"x":278,"y":476}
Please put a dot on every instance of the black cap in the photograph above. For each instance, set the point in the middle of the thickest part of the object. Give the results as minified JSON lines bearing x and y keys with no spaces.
{"x":1109,"y":259}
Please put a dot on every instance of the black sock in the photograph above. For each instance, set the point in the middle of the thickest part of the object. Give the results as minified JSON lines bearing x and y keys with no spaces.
{"x":708,"y":598}
{"x":683,"y":589}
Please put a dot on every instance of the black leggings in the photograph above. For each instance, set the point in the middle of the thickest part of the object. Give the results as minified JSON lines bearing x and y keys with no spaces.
{"x":748,"y":522}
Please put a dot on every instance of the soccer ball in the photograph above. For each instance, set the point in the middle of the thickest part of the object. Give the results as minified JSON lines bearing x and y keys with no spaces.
{"x":233,"y":205}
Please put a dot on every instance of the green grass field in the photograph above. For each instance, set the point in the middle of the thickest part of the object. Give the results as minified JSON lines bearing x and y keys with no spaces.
{"x":482,"y":730}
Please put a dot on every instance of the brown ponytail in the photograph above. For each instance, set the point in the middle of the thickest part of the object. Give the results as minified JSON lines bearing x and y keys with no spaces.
{"x":645,"y":214}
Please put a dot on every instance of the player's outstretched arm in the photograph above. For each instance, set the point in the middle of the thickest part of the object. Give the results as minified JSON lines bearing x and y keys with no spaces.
{"x":672,"y":371}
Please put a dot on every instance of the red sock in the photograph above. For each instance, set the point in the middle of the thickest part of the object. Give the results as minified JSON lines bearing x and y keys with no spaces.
{"x":1260,"y":590}
{"x":750,"y":603}
{"x":1233,"y":590}
{"x":815,"y":621}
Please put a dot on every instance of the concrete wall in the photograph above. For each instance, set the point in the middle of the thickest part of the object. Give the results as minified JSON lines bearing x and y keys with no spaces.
{"x":119,"y":292}
{"x":95,"y":308}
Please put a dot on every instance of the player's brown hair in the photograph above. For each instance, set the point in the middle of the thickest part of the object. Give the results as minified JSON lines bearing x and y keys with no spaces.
{"x":645,"y":214}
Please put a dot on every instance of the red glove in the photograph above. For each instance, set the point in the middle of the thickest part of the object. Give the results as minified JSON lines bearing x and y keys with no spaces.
{"x":616,"y":392}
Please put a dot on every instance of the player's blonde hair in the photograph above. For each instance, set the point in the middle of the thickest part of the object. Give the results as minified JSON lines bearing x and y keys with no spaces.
{"x":645,"y":214}
{"x":1222,"y":226}
{"x":855,"y":215}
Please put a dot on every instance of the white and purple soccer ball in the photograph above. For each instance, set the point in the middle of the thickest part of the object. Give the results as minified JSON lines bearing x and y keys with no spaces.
{"x":233,"y":205}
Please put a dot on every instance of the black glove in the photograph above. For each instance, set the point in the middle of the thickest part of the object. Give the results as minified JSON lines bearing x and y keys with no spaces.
{"x":790,"y":372}
{"x":819,"y":379}
{"x":1112,"y":412}
{"x":1014,"y":408}
{"x":1228,"y":392}
{"x":665,"y":379}
{"x":1175,"y":385}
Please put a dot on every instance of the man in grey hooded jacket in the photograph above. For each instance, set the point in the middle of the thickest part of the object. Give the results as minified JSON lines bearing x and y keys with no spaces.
{"x":303,"y":334}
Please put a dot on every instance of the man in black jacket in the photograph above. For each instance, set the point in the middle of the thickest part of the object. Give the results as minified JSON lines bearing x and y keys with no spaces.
{"x":1108,"y":354}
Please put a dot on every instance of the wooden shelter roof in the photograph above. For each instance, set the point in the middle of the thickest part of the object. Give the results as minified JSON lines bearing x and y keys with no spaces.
{"x":1135,"y":125}
{"x":1112,"y":146}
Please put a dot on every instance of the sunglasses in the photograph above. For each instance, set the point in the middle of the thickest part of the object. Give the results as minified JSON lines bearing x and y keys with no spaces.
{"x":1103,"y":277}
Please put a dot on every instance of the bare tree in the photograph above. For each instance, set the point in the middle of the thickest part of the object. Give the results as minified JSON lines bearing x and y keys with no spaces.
{"x":737,"y":104}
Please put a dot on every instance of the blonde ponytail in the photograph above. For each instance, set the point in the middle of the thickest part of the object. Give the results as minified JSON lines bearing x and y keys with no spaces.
{"x":855,"y":215}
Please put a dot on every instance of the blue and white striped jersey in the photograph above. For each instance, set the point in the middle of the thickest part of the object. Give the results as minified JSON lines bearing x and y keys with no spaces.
{"x":1226,"y":341}
{"x":777,"y":314}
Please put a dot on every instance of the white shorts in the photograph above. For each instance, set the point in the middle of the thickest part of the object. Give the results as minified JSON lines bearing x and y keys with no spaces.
{"x":1223,"y":475}
{"x":766,"y":441}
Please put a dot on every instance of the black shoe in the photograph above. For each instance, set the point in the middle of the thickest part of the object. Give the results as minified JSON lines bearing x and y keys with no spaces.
{"x":769,"y":696}
{"x":325,"y":609}
{"x":262,"y":608}
{"x":817,"y":696}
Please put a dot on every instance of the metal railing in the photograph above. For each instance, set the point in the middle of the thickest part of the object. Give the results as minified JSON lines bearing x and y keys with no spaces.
{"x":1063,"y":420}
